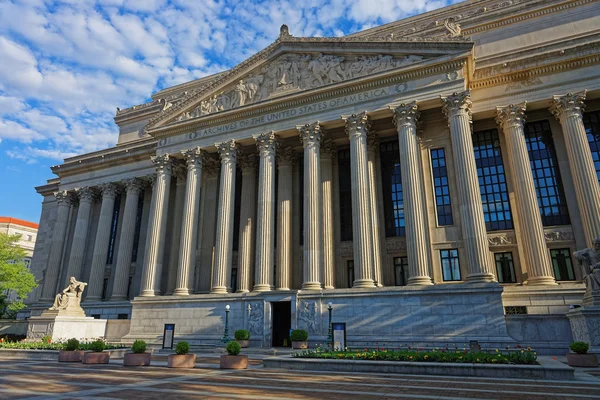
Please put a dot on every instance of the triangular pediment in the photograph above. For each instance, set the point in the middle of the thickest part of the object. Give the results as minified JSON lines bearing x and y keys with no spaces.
{"x":296,"y":65}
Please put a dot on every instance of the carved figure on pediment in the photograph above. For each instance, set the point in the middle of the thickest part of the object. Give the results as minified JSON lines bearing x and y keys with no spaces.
{"x":240,"y":94}
{"x":453,"y":28}
{"x":253,"y":85}
{"x":590,"y":260}
{"x":70,"y":296}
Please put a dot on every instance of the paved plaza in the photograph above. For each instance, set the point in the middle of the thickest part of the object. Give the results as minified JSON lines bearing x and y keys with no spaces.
{"x":51,"y":380}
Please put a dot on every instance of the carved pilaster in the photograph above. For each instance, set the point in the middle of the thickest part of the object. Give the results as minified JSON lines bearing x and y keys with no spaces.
{"x":248,"y":162}
{"x":287,"y":156}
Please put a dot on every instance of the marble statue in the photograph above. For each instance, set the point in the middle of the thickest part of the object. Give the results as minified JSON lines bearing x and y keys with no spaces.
{"x":70,"y":296}
{"x":590,"y":259}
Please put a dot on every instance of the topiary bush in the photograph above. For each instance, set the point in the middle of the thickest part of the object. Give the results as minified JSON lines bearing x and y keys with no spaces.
{"x":233,"y":348}
{"x":138,"y":347}
{"x":242,"y":334}
{"x":97,"y":346}
{"x":579,"y":347}
{"x":182,"y":348}
{"x":299,"y":335}
{"x":71,"y":345}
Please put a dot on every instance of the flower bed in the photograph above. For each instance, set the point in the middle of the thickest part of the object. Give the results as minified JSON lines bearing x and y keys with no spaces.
{"x":50,"y":346}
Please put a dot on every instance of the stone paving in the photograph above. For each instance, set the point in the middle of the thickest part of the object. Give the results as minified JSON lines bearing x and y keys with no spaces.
{"x":51,"y":380}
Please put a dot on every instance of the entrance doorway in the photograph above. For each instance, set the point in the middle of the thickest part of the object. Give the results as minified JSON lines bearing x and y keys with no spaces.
{"x":282,"y":323}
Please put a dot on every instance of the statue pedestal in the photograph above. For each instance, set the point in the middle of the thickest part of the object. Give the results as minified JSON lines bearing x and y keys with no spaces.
{"x":61,"y":325}
{"x":585,"y":326}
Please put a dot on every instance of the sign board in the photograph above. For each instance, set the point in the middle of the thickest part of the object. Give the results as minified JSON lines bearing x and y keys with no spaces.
{"x":168,"y":336}
{"x":339,"y":335}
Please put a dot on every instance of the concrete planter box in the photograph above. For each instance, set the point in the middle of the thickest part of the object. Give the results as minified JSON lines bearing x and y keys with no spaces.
{"x":70,"y":356}
{"x":300,"y":345}
{"x":92,"y":357}
{"x":551,"y":370}
{"x":582,"y":360}
{"x":181,"y":361}
{"x":234,"y":362}
{"x":243,"y":343}
{"x":137,"y":359}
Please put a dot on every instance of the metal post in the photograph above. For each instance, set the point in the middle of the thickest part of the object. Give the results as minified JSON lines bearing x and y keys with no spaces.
{"x":330,"y":334}
{"x":226,"y":338}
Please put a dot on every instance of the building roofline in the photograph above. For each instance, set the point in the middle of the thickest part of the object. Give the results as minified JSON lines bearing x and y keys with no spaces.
{"x":21,"y":222}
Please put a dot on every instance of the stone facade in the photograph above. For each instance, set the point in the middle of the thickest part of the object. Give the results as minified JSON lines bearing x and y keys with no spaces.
{"x":427,"y":177}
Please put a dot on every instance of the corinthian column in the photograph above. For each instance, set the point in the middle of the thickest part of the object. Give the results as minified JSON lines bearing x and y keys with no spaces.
{"x":373,"y":158}
{"x":284,"y":224}
{"x":405,"y":118}
{"x":327,"y":156}
{"x":311,"y":134}
{"x":157,"y":227}
{"x":179,"y":172}
{"x":457,"y":108}
{"x":512,"y":119}
{"x":86,"y":200}
{"x":63,"y":201}
{"x":357,"y":127}
{"x":189,"y":225}
{"x":223,"y":248}
{"x":133,"y":188}
{"x":265,"y":217}
{"x":568,"y":110}
{"x":247,"y":223}
{"x":109,"y":193}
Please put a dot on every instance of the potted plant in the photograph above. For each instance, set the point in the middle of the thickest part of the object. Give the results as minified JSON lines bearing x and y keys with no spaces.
{"x":299,"y":338}
{"x":96,"y":355}
{"x":581,"y":358}
{"x":70,"y":351}
{"x":242,"y":336}
{"x":233,"y":360}
{"x":182,"y":358}
{"x":138,"y":357}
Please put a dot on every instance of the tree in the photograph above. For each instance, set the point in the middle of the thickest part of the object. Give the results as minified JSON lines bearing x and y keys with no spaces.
{"x":14,"y":276}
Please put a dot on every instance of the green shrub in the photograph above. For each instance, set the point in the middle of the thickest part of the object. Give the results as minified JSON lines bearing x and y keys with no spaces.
{"x":579,"y":347}
{"x":242,"y":334}
{"x":71,"y":345}
{"x":46,"y":339}
{"x":233,"y":348}
{"x":182,"y":348}
{"x":138,"y":347}
{"x":97,"y":346}
{"x":299,"y":335}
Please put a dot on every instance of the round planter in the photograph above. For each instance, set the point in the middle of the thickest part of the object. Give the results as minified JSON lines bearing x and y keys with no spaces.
{"x":300,"y":345}
{"x":243,"y":343}
{"x":137,"y":359}
{"x":181,"y":360}
{"x":70,"y":356}
{"x":234,"y":362}
{"x":93,"y":357}
{"x":582,"y":360}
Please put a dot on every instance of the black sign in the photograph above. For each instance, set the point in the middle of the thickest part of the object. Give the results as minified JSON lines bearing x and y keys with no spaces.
{"x":168,"y":336}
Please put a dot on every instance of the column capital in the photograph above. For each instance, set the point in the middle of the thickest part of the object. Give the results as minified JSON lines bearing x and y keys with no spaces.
{"x":87,"y":193}
{"x":227,"y":151}
{"x":511,"y":115}
{"x":457,"y":103}
{"x":248,"y":162}
{"x":571,"y":104}
{"x":405,"y":114}
{"x":194,"y":157}
{"x":179,"y":173}
{"x":163,"y":163}
{"x":310,"y":134}
{"x":328,"y":149}
{"x":357,"y":124}
{"x":133,"y":185}
{"x":287,"y":156}
{"x":266,"y":143}
{"x":109,"y":189}
{"x":373,"y":142}
{"x":64,"y":197}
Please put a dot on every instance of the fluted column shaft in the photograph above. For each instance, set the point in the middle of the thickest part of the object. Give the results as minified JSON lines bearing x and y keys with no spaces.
{"x":535,"y":253}
{"x":157,"y":226}
{"x":82,"y":225}
{"x":247,"y":223}
{"x":327,"y":157}
{"x":284,"y":223}
{"x":568,"y":110}
{"x":405,"y":118}
{"x":180,"y":182}
{"x":313,"y":207}
{"x":357,"y":127}
{"x":224,"y":238}
{"x":265,"y":216}
{"x":133,"y":188}
{"x":373,"y":158}
{"x":457,"y":108}
{"x":52,"y":272}
{"x":109,"y":193}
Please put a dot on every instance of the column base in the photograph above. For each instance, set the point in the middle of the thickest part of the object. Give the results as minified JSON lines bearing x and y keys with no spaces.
{"x":242,"y":291}
{"x":282,"y":288}
{"x":326,"y":288}
{"x":311,"y":286}
{"x":363,"y":283}
{"x":181,"y":292}
{"x":419,"y":281}
{"x":541,"y":280}
{"x":262,"y":288}
{"x":147,"y":293}
{"x":219,"y":290}
{"x":481,"y":278}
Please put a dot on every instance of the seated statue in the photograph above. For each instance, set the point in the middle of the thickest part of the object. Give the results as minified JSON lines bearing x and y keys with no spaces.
{"x":590,"y":259}
{"x":71,"y":294}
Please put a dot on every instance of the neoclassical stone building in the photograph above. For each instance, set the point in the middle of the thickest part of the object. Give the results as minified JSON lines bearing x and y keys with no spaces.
{"x":430,"y":178}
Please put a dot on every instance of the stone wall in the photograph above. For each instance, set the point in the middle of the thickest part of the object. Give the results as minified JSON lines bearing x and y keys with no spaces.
{"x":547,"y":334}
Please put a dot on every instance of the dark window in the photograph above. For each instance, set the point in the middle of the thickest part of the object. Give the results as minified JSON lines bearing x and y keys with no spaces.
{"x":122,"y":316}
{"x":234,"y":275}
{"x":505,"y":268}
{"x":442,"y":189}
{"x":591,"y":121}
{"x":401,"y":271}
{"x":450,"y":265}
{"x":563,"y":267}
{"x":492,"y":181}
{"x":350,"y":269}
{"x":237,"y":208}
{"x":345,"y":180}
{"x":546,"y":175}
{"x":515,"y":310}
{"x":129,"y":284}
{"x":113,"y":230}
{"x":301,"y":198}
{"x":391,"y":179}
{"x":138,"y":227}
{"x":105,"y":289}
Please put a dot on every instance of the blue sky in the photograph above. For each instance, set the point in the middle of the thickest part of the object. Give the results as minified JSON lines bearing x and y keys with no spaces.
{"x":65,"y":66}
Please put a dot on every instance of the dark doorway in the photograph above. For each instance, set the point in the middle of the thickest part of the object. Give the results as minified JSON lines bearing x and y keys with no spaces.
{"x":282,"y":323}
